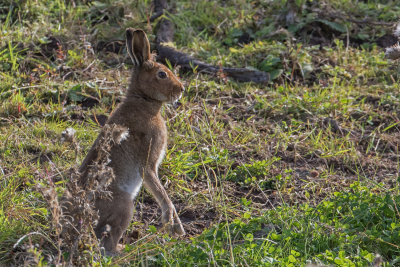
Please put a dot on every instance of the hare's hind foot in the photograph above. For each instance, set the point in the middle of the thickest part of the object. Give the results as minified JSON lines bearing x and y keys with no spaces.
{"x":117,"y":252}
{"x":171,"y":221}
{"x":177,"y":228}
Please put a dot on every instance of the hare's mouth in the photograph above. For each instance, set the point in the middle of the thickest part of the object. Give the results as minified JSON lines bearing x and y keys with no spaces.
{"x":175,"y":100}
{"x":176,"y":104}
{"x":174,"y":97}
{"x":179,"y":97}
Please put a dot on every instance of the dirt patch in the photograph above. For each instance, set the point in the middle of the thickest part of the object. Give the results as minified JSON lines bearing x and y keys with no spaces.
{"x":39,"y":155}
{"x":89,"y":102}
{"x":52,"y":48}
{"x":100,"y":119}
{"x":200,"y":216}
{"x":386,"y":40}
{"x":116,"y":46}
{"x":195,"y":218}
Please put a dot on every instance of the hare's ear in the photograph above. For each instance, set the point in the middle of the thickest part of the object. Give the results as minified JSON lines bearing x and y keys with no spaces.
{"x":138,"y":46}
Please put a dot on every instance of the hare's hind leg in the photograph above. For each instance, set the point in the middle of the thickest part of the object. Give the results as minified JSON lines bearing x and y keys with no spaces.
{"x":169,"y":215}
{"x":115,"y":216}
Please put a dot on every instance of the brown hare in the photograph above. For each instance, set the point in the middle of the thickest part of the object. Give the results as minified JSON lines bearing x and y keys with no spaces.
{"x":135,"y":159}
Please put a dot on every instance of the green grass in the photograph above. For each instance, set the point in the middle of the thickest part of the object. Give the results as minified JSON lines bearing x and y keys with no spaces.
{"x":304,"y":169}
{"x":346,"y":231}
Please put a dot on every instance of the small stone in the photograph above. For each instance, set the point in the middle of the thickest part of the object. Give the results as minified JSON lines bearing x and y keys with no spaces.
{"x":68,"y":135}
{"x":314,"y":174}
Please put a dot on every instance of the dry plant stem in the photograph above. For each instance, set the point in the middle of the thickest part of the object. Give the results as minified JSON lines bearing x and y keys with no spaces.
{"x":165,"y":34}
{"x":30,"y":234}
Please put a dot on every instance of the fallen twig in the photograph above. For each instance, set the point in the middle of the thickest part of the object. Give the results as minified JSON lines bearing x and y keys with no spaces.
{"x":165,"y":34}
{"x":345,"y":17}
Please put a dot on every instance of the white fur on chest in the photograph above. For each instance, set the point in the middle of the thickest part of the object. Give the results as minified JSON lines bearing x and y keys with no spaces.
{"x":131,"y":183}
{"x":131,"y":180}
{"x":160,"y":157}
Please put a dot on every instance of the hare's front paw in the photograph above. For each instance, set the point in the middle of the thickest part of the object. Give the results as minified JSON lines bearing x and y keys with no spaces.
{"x":171,"y":220}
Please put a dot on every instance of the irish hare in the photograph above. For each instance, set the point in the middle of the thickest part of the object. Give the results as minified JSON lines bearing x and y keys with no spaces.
{"x":140,"y":150}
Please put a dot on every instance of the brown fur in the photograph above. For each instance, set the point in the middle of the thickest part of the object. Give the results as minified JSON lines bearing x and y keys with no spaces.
{"x":136,"y":158}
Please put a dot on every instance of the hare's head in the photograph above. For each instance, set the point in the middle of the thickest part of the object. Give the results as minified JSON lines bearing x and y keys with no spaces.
{"x":151,"y":80}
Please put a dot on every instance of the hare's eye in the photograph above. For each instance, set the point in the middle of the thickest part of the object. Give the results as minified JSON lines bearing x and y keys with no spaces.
{"x":162,"y":74}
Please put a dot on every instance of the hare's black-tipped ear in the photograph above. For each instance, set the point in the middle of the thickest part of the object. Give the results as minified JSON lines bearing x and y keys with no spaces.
{"x":129,"y":46}
{"x":138,"y":46}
